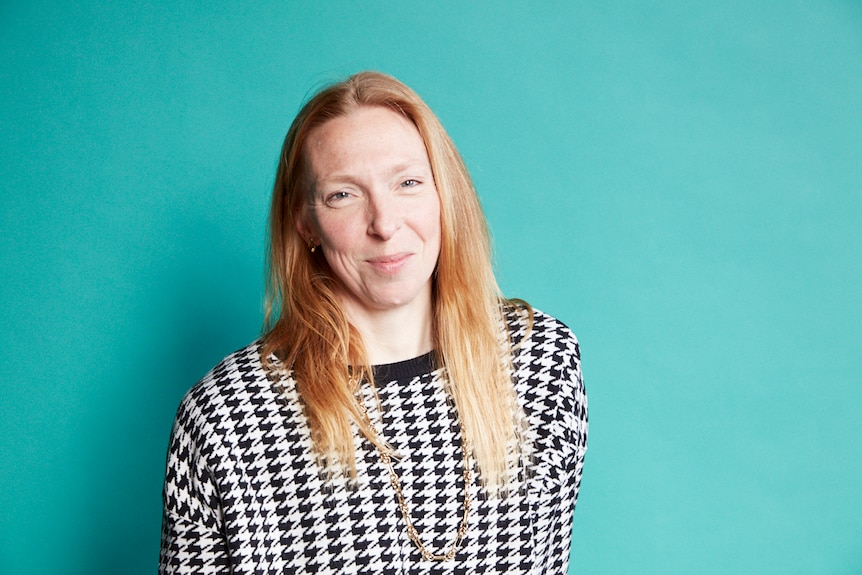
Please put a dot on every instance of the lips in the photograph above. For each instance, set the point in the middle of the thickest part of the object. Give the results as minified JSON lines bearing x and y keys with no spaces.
{"x":389,"y":264}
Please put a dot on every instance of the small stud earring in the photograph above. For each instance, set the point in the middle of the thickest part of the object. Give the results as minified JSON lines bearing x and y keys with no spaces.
{"x":312,"y":246}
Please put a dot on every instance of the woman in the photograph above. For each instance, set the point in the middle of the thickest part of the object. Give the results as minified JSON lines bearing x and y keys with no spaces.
{"x":398,"y":415}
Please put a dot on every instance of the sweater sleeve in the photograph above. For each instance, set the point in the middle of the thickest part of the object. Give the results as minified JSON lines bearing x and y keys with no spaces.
{"x":192,"y":535}
{"x":570,"y":430}
{"x":575,"y":418}
{"x":549,"y":380}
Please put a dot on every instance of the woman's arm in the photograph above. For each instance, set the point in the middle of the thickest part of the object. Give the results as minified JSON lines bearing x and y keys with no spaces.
{"x":192,"y":535}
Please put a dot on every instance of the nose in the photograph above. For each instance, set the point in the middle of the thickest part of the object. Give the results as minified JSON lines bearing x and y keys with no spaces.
{"x":383,"y":217}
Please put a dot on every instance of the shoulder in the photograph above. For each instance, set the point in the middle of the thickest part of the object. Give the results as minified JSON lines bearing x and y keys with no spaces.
{"x":237,"y":383}
{"x":546,"y":362}
{"x":537,"y":334}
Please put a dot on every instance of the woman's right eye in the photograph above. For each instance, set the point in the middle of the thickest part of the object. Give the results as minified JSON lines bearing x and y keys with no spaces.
{"x":336,"y":197}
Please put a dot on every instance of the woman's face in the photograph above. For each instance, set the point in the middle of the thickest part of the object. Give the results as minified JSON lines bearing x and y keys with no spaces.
{"x":373,"y":209}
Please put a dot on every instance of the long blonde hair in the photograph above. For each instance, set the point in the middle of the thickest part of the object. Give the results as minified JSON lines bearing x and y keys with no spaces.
{"x":307,"y":330}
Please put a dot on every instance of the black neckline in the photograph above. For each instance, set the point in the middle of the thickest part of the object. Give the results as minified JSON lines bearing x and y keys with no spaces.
{"x":406,"y":369}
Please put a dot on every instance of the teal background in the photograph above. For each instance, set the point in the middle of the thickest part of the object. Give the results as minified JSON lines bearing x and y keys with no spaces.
{"x":678,"y":181}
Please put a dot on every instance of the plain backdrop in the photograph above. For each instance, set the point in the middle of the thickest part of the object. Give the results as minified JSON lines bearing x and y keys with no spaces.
{"x":677,"y":181}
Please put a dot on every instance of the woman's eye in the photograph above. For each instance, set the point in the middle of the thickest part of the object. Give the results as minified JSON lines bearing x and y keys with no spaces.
{"x":336,"y":197}
{"x":409,"y":183}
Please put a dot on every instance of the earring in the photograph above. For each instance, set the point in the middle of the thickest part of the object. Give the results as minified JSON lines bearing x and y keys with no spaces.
{"x":312,"y":246}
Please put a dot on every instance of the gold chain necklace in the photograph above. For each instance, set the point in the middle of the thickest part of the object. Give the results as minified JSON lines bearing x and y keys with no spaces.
{"x":395,"y":482}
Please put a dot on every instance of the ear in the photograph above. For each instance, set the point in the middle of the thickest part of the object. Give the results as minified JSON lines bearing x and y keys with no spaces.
{"x":304,"y":226}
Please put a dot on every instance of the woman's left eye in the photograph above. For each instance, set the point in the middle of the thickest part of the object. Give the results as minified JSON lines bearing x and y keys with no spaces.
{"x":409,"y":183}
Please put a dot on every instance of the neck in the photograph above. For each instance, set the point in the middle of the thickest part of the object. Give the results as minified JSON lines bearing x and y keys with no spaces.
{"x":394,"y":335}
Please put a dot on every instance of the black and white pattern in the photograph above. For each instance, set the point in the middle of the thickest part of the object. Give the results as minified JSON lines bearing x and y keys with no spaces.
{"x":243,"y":492}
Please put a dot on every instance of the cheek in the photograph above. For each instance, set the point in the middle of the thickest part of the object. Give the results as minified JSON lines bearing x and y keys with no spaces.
{"x":433,"y":225}
{"x":336,"y":230}
{"x":434,"y":233}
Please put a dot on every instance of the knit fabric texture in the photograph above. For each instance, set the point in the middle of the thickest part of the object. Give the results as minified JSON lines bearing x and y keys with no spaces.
{"x":244,"y":492}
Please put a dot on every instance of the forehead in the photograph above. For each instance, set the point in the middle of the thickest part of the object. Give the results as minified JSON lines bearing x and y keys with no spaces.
{"x":366,"y":137}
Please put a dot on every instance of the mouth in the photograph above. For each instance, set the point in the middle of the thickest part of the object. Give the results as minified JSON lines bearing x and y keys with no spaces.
{"x":389,"y":264}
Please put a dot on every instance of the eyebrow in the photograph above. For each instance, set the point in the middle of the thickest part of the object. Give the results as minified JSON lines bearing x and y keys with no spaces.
{"x":396,"y":169}
{"x":408,"y":166}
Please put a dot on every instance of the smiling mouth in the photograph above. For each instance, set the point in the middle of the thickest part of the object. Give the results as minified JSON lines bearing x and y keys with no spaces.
{"x":389,"y":264}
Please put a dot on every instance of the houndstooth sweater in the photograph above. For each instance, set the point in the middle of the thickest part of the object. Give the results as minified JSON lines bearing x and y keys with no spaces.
{"x":243,"y":492}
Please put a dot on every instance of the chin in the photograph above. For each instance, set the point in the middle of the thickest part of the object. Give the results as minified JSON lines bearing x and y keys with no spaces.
{"x":392,"y":301}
